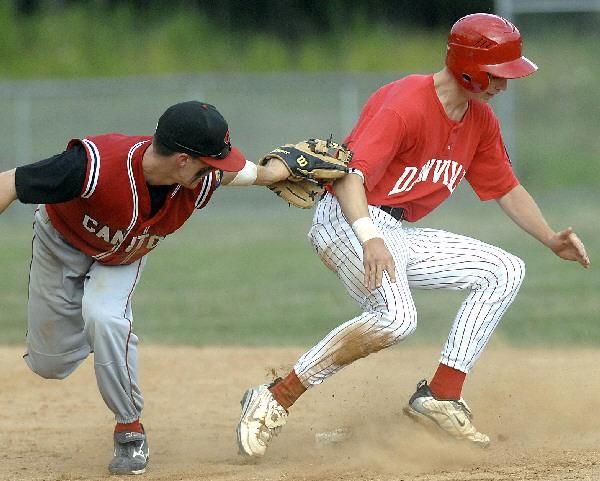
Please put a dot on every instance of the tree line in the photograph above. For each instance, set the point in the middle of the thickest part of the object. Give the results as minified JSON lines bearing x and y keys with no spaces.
{"x":286,"y":18}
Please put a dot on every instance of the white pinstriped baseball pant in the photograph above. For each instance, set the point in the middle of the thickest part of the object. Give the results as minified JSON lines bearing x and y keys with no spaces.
{"x":425,"y":259}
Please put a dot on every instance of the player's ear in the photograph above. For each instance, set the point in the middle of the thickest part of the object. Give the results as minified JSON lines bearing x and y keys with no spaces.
{"x":182,"y":159}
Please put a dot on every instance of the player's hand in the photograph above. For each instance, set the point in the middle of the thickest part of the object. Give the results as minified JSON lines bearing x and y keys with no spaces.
{"x":274,"y":171}
{"x":377,"y":259}
{"x":567,"y":245}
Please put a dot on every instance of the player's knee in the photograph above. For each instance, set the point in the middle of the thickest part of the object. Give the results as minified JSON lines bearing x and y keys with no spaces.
{"x":101,"y":321}
{"x":409,"y":323}
{"x":501,"y":269}
{"x":49,"y":367}
{"x":92,"y":311}
{"x":518,"y":273}
{"x":511,"y":270}
{"x":399,"y":324}
{"x":411,"y":326}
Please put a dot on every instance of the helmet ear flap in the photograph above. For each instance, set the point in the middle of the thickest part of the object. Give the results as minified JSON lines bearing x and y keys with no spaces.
{"x":477,"y":81}
{"x":465,"y":72}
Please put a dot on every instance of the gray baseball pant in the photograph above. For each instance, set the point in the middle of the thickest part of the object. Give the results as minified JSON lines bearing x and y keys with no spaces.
{"x":78,"y":306}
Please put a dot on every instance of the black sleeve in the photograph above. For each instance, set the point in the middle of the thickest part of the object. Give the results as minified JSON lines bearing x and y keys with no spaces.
{"x":50,"y":181}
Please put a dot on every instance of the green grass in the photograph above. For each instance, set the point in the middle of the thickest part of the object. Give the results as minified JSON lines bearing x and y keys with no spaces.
{"x":243,"y":272}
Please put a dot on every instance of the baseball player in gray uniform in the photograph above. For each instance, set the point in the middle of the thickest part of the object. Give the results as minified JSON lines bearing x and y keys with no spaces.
{"x":415,"y":140}
{"x":105,"y":203}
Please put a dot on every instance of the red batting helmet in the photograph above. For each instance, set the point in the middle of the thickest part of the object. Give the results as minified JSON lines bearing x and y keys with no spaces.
{"x":482,"y":44}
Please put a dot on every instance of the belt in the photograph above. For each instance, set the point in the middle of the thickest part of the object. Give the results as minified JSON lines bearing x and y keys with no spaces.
{"x":396,"y":212}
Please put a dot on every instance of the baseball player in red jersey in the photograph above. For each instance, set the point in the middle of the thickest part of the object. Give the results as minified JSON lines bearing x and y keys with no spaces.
{"x":415,"y":140}
{"x":105,"y":203}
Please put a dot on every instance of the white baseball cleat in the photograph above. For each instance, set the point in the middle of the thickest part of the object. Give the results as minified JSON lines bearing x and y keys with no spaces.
{"x":453,"y":417}
{"x":262,"y":418}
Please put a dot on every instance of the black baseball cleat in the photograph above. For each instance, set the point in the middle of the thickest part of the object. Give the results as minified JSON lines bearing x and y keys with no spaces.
{"x":131,"y":454}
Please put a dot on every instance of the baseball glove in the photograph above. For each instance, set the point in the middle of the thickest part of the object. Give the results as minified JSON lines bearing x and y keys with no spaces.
{"x":312,"y":163}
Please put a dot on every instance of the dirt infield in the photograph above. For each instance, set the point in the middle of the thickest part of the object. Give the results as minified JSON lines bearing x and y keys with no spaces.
{"x":540,"y":407}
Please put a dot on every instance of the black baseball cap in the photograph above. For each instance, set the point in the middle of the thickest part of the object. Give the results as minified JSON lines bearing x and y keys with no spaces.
{"x":198,"y":129}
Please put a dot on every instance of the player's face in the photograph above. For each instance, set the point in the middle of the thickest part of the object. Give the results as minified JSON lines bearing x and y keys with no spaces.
{"x":192,"y":172}
{"x":497,"y":85}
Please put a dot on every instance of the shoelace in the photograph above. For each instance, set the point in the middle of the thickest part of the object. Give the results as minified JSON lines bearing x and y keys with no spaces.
{"x":135,"y":448}
{"x":462,"y":405}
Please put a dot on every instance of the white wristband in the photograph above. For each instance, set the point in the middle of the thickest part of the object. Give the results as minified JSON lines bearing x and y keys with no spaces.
{"x":246,"y":176}
{"x":365,"y":229}
{"x":354,"y":171}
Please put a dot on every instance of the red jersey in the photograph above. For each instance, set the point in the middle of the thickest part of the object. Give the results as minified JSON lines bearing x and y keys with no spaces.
{"x":111,"y":220}
{"x":413,"y":156}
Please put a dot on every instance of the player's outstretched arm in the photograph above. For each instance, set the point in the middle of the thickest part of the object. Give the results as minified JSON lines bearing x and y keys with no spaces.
{"x":524,"y":211}
{"x":253,"y":174}
{"x":8,"y":191}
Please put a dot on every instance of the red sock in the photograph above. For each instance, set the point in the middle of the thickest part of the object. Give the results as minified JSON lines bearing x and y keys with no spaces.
{"x":135,"y":426}
{"x":447,"y":383}
{"x":288,"y":390}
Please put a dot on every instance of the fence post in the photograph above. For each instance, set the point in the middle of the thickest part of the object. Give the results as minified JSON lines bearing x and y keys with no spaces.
{"x":23,"y":130}
{"x":349,"y":108}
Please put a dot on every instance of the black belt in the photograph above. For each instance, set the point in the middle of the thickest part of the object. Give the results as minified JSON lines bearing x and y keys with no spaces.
{"x":396,"y":212}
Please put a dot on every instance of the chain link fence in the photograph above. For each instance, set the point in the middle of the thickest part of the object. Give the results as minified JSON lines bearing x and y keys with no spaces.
{"x":39,"y":117}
